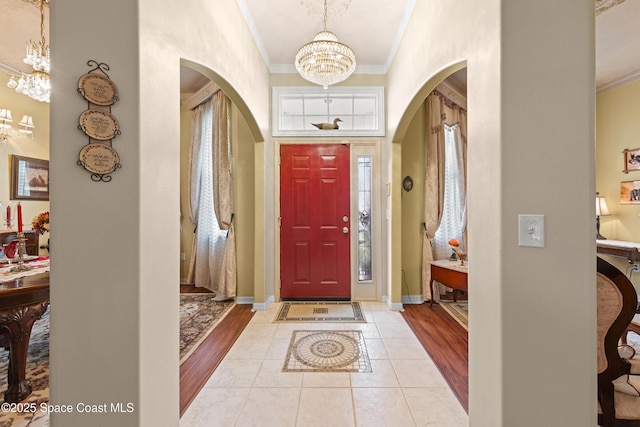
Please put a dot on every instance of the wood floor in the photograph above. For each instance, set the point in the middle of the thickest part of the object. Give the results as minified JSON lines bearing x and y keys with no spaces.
{"x":196,"y":370}
{"x":446,"y":341}
{"x":442,"y":337}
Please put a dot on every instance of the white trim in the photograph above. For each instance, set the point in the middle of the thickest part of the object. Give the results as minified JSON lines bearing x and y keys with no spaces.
{"x":278,"y":93}
{"x":393,"y":306}
{"x":254,"y":31}
{"x":399,"y":34}
{"x":412,"y":299}
{"x":620,"y":81}
{"x":260,"y":306}
{"x":244,"y":300}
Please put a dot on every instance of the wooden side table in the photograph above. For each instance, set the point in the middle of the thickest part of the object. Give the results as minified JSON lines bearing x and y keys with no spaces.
{"x":451,"y":274}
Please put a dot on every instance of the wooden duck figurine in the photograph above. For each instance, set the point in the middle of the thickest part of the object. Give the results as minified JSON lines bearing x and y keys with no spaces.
{"x":328,"y":126}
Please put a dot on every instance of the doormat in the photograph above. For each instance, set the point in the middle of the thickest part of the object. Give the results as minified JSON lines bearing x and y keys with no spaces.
{"x":458,"y":310}
{"x":327,"y":351}
{"x":329,"y":311}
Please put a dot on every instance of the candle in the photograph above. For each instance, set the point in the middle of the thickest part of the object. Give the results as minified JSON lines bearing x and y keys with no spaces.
{"x":8,"y":216}
{"x":19,"y":218}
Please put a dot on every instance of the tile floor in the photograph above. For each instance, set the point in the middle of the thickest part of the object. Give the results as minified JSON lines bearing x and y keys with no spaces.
{"x":250,"y":389}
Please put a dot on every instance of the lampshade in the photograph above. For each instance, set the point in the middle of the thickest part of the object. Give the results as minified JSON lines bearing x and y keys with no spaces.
{"x":601,"y":207}
{"x":26,"y":125}
{"x":5,"y":117}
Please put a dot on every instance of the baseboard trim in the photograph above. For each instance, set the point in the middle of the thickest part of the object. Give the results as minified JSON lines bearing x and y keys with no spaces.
{"x":263,"y":306}
{"x":244,"y":300}
{"x":412,"y":299}
{"x":393,"y":306}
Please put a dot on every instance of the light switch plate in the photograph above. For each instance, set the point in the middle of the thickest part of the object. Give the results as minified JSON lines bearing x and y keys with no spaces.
{"x":531,"y":230}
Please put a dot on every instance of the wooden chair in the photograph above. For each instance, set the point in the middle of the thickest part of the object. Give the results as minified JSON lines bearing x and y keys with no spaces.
{"x":619,"y":405}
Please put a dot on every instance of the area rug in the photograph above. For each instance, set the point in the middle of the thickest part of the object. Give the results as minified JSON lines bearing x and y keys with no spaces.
{"x":327,"y":351}
{"x":329,"y":311}
{"x":458,"y":310}
{"x":199,"y":315}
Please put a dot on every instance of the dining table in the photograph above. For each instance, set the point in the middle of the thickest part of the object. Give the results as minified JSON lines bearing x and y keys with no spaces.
{"x":24,"y":298}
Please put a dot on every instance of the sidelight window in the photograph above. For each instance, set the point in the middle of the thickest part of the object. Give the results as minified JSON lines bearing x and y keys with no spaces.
{"x":364,"y":218}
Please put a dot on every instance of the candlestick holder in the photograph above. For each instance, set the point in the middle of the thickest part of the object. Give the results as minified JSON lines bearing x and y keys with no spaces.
{"x":20,"y":249}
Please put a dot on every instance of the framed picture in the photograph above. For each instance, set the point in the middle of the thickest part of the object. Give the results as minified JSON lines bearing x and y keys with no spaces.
{"x":29,"y":178}
{"x":631,"y":160}
{"x":630,"y":192}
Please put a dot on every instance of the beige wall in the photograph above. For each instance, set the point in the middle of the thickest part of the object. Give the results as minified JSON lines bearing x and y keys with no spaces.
{"x":522,"y":137}
{"x":618,"y":128}
{"x":413,"y":205}
{"x":38,"y":148}
{"x":133,"y":305}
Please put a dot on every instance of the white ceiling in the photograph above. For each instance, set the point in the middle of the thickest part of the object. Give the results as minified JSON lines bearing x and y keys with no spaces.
{"x":371,"y":27}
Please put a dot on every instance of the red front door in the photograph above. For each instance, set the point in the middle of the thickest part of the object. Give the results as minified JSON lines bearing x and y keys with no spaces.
{"x":314,"y":232}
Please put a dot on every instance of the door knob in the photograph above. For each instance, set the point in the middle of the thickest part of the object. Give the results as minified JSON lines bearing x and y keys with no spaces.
{"x":345,"y":219}
{"x":345,"y":230}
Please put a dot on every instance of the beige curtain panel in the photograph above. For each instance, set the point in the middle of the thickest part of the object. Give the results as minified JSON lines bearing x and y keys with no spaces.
{"x":439,"y":111}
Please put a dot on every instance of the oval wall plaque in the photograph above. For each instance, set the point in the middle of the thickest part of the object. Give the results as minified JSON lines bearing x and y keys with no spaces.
{"x":99,"y":158}
{"x":98,"y":89}
{"x":99,"y":124}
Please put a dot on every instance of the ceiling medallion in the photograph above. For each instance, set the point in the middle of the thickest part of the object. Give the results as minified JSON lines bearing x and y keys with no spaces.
{"x":604,"y":5}
{"x":325,"y":61}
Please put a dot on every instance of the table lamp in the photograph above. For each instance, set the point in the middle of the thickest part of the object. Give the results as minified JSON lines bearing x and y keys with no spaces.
{"x":601,"y":209}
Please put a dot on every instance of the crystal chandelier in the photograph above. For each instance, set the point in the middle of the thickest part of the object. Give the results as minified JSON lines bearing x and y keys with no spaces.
{"x":325,"y":61}
{"x":35,"y":85}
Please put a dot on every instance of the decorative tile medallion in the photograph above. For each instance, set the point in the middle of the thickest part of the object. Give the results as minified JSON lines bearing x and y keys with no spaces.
{"x":325,"y":311}
{"x":327,"y":351}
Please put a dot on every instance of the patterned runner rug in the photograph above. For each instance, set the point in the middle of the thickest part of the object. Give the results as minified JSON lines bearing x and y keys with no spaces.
{"x":458,"y":310}
{"x":199,"y":315}
{"x":329,"y":311}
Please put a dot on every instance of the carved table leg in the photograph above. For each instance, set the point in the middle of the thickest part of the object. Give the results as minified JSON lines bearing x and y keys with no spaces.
{"x":19,"y":321}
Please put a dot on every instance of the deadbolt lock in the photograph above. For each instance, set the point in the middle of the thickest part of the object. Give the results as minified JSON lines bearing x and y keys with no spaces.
{"x":345,"y":219}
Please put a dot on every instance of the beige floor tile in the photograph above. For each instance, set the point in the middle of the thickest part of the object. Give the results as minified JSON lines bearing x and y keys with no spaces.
{"x":278,"y":349}
{"x":435,"y":407}
{"x":383,"y":375}
{"x":277,"y":407}
{"x":418,"y":373}
{"x":286,"y":329}
{"x":388,"y":317}
{"x":271,"y":375}
{"x":376,"y":349}
{"x":369,"y":330}
{"x":326,"y":379}
{"x":234,"y":373}
{"x":394,"y":330}
{"x":381,"y":407}
{"x":323,"y":407}
{"x":246,"y":348}
{"x":405,"y":348}
{"x":205,"y":409}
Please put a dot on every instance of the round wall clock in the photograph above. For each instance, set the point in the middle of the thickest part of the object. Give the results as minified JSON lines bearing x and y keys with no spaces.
{"x":407,"y":183}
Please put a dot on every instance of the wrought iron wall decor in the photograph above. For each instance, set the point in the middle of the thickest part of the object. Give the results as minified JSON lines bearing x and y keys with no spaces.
{"x":99,"y":157}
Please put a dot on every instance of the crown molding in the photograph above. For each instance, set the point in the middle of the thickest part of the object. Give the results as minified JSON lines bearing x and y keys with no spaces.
{"x":620,"y":81}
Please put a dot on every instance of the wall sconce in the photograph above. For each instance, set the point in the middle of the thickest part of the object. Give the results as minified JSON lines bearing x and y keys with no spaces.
{"x":601,"y":209}
{"x":5,"y":119}
{"x":26,"y":126}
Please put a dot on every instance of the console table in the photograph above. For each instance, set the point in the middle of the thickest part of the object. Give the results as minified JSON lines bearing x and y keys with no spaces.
{"x":451,"y":274}
{"x":619,"y":248}
{"x":22,"y":302}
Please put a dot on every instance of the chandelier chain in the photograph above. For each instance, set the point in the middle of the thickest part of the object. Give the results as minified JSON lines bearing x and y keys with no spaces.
{"x":324,"y":28}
